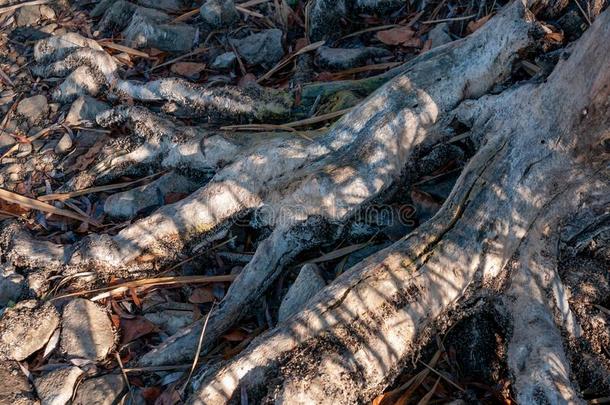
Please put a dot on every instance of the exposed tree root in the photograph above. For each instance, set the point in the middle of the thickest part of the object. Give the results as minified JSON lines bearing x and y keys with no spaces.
{"x":294,"y":181}
{"x":497,"y":228}
{"x":531,"y":172}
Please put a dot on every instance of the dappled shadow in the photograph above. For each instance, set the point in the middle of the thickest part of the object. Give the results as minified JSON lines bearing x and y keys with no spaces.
{"x":355,"y":335}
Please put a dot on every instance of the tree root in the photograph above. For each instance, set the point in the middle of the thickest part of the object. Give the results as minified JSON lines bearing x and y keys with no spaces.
{"x":355,"y":335}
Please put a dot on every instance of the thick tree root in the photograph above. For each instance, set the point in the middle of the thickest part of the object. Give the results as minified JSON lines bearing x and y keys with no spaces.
{"x":362,"y":156}
{"x":533,"y":170}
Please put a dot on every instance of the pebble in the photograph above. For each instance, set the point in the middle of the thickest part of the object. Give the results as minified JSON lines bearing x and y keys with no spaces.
{"x":15,"y":388}
{"x":86,"y":330}
{"x":32,"y":15}
{"x":26,"y":328}
{"x":33,"y":109}
{"x":11,"y":285}
{"x":224,"y":61}
{"x":85,"y":108}
{"x":219,"y":13}
{"x":55,"y":387}
{"x":342,"y":59}
{"x":128,"y":203}
{"x":103,"y":390}
{"x":170,"y":321}
{"x":64,"y":144}
{"x":307,"y":284}
{"x":263,"y":47}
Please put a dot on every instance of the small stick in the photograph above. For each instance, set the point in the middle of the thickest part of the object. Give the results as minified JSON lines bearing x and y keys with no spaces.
{"x":196,"y":359}
{"x":583,"y":12}
{"x":466,"y":17}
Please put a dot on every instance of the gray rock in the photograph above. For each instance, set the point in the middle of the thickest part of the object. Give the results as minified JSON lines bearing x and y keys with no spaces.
{"x":15,"y":388}
{"x":439,"y":35}
{"x":263,"y":47}
{"x":325,"y":19}
{"x":12,"y":285}
{"x":26,"y":328}
{"x":341,"y":59}
{"x":85,"y":108}
{"x":128,"y":203}
{"x":103,"y":390}
{"x":6,"y":140}
{"x":64,"y":144}
{"x":55,"y":387}
{"x":170,"y":321}
{"x":224,"y":61}
{"x":86,"y":330}
{"x":219,"y":13}
{"x":144,"y":32}
{"x":33,"y":109}
{"x":307,"y":284}
{"x":32,"y":15}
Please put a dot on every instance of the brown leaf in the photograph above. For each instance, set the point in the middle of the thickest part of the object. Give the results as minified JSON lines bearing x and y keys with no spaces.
{"x":169,"y":397}
{"x":202,"y":295}
{"x":171,"y":197}
{"x":413,"y":43}
{"x":395,"y":36}
{"x":236,"y":335}
{"x":150,"y":394}
{"x":246,"y":79}
{"x":475,"y":25}
{"x":554,"y":37}
{"x":131,"y":329}
{"x":188,"y":69}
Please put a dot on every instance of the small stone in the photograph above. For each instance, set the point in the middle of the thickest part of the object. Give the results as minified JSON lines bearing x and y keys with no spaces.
{"x":219,"y":13}
{"x":224,"y":61}
{"x":15,"y":388}
{"x":64,"y":144}
{"x":55,"y":387}
{"x":264,"y":47}
{"x":439,"y":35}
{"x":128,"y":203}
{"x":341,"y":59}
{"x":85,"y":108}
{"x":307,"y":284}
{"x":170,"y":321}
{"x":26,"y":328}
{"x":325,"y":19}
{"x":33,"y":109}
{"x":28,"y":15}
{"x":11,"y":285}
{"x":86,"y":330}
{"x":145,"y":32}
{"x":6,"y":140}
{"x":100,"y":391}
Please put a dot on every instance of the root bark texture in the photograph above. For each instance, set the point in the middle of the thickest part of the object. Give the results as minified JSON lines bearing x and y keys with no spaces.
{"x":542,"y":156}
{"x":530,"y":172}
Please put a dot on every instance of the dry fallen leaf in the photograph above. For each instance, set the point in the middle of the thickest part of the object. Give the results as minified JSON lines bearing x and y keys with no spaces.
{"x":188,"y":69}
{"x":395,"y":36}
{"x":235,"y":335}
{"x":554,"y":37}
{"x":475,"y":25}
{"x":131,"y":329}
{"x":202,"y":295}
